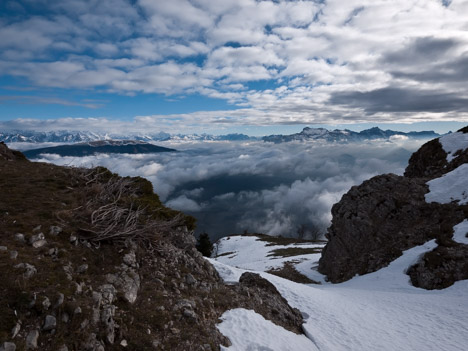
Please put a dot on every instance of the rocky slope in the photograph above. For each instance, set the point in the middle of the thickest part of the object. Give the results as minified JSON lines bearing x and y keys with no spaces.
{"x":93,"y":261}
{"x":377,"y":220}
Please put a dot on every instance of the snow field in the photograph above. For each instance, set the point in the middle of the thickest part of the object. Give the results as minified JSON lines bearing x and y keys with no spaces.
{"x":452,"y":186}
{"x":377,"y":311}
{"x":453,"y":142}
{"x":251,"y":253}
{"x":249,"y":331}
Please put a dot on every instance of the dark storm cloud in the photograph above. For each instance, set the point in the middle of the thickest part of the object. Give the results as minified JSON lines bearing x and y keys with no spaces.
{"x":453,"y":71}
{"x":421,"y":50}
{"x":401,"y":100}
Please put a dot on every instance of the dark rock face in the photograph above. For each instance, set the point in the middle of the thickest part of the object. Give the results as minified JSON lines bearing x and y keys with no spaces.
{"x":441,"y":267}
{"x":8,"y":154}
{"x":429,"y":161}
{"x":377,"y":220}
{"x":266,"y":300}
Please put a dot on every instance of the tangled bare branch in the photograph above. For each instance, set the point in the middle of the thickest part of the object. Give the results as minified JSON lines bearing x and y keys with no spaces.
{"x":110,"y":213}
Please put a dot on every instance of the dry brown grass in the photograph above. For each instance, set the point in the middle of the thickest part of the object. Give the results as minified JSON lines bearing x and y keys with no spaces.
{"x":288,"y":271}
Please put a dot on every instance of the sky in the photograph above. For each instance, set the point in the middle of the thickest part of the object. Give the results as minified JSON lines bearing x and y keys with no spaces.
{"x":225,"y":66}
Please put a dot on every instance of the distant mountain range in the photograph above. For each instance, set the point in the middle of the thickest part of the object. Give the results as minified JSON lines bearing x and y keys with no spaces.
{"x":306,"y":134}
{"x":102,"y":146}
{"x":85,"y":136}
{"x":346,"y":135}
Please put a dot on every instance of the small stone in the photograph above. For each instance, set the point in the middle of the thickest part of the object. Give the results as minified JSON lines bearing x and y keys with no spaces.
{"x":55,"y":230}
{"x":20,"y":237}
{"x":30,"y":270}
{"x":38,"y":228}
{"x":77,"y":310}
{"x":8,"y":346}
{"x":3,"y":248}
{"x":16,"y":329}
{"x":31,"y":339}
{"x":73,"y":239}
{"x":13,"y":255}
{"x":65,"y":317}
{"x":46,"y":303}
{"x":83,"y":268}
{"x":79,"y":288}
{"x":84,"y":324}
{"x":156,"y":343}
{"x":124,"y":343}
{"x":63,"y":348}
{"x":50,"y":323}
{"x":52,"y":252}
{"x":60,"y":300}
{"x":190,"y":314}
{"x":130,"y":259}
{"x":36,"y":237}
{"x":39,"y":243}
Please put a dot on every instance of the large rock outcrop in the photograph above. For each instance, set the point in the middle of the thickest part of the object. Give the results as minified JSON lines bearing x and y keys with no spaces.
{"x":377,"y":220}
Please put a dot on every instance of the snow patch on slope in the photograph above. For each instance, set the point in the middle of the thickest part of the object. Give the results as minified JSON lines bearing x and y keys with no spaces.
{"x":252,"y":253}
{"x":452,"y":186}
{"x":460,"y":231}
{"x":453,"y":142}
{"x":248,"y":330}
{"x":377,"y":311}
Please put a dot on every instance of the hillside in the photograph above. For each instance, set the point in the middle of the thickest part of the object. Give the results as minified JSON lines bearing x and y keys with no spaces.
{"x":96,"y":147}
{"x":93,"y":261}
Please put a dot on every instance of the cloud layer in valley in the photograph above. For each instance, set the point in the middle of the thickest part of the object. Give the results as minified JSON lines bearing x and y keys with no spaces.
{"x":272,"y":62}
{"x":232,"y":187}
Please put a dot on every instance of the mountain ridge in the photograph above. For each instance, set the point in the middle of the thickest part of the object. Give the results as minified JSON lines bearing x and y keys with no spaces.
{"x":99,"y":146}
{"x":346,"y":135}
{"x":306,"y":134}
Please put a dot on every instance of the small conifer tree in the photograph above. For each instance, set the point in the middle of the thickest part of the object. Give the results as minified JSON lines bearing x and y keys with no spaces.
{"x":204,"y":245}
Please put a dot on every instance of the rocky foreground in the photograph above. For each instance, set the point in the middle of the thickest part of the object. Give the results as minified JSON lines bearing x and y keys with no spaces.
{"x":93,"y":261}
{"x":376,"y":221}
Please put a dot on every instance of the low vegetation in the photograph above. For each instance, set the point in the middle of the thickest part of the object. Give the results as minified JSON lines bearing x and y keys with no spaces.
{"x":288,"y":271}
{"x":294,"y":251}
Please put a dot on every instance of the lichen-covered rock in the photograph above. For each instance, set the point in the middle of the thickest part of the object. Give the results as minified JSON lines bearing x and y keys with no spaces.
{"x":49,"y":323}
{"x":31,"y":340}
{"x":8,"y":346}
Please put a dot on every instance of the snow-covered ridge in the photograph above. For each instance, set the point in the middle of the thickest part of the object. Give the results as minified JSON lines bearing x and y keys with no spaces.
{"x":451,"y":187}
{"x":346,"y":135}
{"x":451,"y":143}
{"x":64,"y":136}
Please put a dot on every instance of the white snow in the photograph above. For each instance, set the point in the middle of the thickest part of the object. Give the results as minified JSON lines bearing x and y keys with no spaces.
{"x":452,"y":186}
{"x":460,"y":231}
{"x":249,"y":331}
{"x":251,"y":253}
{"x":453,"y":142}
{"x":377,"y":311}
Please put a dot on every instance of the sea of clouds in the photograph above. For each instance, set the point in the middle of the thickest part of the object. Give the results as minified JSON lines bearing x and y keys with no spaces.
{"x":277,"y":189}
